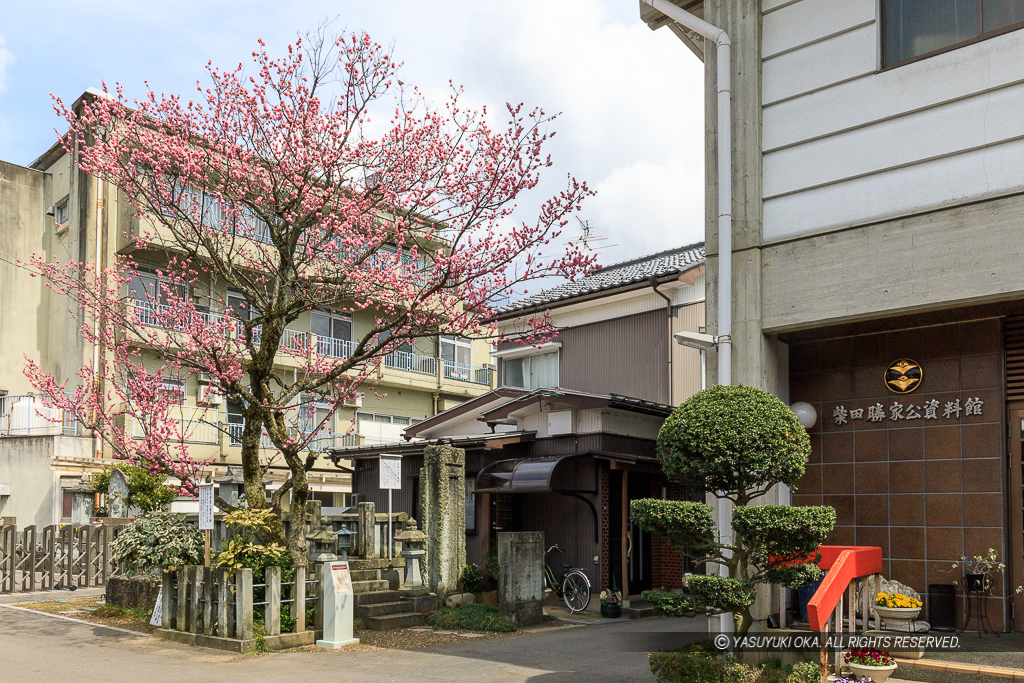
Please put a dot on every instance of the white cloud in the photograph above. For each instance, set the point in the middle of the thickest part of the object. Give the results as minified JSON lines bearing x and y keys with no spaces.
{"x":6,"y":59}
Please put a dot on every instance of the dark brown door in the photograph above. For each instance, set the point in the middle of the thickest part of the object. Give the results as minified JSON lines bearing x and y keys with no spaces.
{"x":1015,"y":501}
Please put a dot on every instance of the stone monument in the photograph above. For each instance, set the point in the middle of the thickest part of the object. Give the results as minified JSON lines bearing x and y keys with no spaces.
{"x":83,"y":502}
{"x":117,"y":495}
{"x":443,"y":501}
{"x":521,"y":576}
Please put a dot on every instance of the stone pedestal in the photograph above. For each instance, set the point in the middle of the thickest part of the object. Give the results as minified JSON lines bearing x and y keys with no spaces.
{"x":369,"y":544}
{"x":443,"y":501}
{"x":521,"y":577}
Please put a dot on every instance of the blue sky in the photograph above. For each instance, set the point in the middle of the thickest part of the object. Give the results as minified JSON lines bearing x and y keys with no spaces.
{"x":631,"y":99}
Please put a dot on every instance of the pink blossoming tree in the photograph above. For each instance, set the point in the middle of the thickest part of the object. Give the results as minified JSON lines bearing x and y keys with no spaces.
{"x":280,"y":188}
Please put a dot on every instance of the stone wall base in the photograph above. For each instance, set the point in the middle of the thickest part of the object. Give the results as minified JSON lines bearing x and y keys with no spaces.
{"x":281,"y":642}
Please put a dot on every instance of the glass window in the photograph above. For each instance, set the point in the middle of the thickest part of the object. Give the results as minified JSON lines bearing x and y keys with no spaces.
{"x":457,"y":350}
{"x":173,"y":390}
{"x":333,"y":326}
{"x":240,"y":307}
{"x":915,"y":28}
{"x":63,"y":211}
{"x":531,"y":372}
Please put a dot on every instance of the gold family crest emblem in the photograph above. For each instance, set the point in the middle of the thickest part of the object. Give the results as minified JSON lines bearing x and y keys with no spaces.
{"x":903,"y":376}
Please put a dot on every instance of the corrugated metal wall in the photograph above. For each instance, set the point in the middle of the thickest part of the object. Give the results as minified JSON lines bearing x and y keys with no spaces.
{"x":686,"y":371}
{"x":627,"y":356}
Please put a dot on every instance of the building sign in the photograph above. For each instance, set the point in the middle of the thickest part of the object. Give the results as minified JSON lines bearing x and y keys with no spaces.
{"x":205,"y":506}
{"x":390,"y":472}
{"x":929,"y":410}
{"x":903,"y":376}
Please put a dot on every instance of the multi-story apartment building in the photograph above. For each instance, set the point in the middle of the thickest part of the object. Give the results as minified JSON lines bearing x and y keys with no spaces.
{"x":877,"y":195}
{"x":53,"y":208}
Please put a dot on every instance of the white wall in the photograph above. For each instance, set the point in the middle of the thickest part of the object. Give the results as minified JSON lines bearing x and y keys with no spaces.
{"x":846,"y":144}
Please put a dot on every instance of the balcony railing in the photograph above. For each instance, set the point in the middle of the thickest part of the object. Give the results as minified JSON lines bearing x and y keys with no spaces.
{"x":467,"y":373}
{"x":28,"y":415}
{"x":334,"y":348}
{"x":411,"y":362}
{"x":193,"y":425}
{"x":321,"y":440}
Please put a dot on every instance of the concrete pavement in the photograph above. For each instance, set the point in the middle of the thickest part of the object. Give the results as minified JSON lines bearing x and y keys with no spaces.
{"x":36,"y":647}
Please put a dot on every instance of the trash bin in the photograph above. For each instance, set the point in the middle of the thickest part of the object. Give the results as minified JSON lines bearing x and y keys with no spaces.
{"x":942,"y":606}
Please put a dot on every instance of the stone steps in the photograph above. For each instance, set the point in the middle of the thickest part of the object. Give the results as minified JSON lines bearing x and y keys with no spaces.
{"x":364,"y":574}
{"x":375,"y":563}
{"x":390,"y":621}
{"x":376,"y":597}
{"x":369,"y":586}
{"x":379,"y":609}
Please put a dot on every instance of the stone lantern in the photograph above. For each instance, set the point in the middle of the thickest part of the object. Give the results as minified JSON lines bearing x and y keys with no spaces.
{"x":412,"y":550}
{"x":83,"y":501}
{"x":344,"y":540}
{"x":231,"y":485}
{"x":323,"y":542}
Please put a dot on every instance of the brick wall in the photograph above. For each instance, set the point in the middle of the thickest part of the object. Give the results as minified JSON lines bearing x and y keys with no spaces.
{"x":605,"y":530}
{"x":667,"y":562}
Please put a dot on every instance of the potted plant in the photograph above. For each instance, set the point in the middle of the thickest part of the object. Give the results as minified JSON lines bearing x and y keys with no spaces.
{"x":978,"y":570}
{"x":611,"y":604}
{"x":897,"y":607}
{"x":874,"y":665}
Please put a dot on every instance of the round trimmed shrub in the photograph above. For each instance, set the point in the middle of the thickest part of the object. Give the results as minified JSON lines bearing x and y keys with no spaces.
{"x":733,"y":438}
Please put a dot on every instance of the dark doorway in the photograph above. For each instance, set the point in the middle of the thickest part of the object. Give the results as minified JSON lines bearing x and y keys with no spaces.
{"x":640,"y":570}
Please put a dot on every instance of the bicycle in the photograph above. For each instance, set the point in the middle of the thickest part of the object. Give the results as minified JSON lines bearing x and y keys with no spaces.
{"x":574,"y":588}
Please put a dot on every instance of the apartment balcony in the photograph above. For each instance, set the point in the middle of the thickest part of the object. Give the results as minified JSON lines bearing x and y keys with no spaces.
{"x":193,"y":424}
{"x":28,"y":415}
{"x":411,"y":362}
{"x":468,"y":373}
{"x":323,"y":439}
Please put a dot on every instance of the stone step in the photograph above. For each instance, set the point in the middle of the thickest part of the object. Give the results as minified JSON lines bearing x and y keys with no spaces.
{"x":364,"y":574}
{"x":376,"y":597}
{"x":369,"y":586}
{"x":390,"y":621}
{"x":375,"y":563}
{"x":381,"y":608}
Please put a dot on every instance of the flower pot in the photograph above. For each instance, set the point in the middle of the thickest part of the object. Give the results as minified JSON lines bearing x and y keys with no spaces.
{"x":611,"y":611}
{"x":974,"y":582}
{"x":875,"y":673}
{"x":905,"y":614}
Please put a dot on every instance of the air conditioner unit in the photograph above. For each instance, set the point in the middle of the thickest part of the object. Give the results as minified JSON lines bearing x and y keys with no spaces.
{"x":208,"y":395}
{"x":204,"y":378}
{"x":354,"y":401}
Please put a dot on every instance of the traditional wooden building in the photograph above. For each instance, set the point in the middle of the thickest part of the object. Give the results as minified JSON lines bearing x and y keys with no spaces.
{"x":568,"y":438}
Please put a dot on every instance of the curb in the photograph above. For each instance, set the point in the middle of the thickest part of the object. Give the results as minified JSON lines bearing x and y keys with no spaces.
{"x":955,"y":667}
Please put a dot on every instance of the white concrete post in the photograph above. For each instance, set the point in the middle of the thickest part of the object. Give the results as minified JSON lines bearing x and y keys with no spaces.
{"x":339,"y":605}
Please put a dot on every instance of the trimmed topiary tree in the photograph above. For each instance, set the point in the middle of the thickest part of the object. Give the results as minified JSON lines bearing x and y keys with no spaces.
{"x":736,"y":443}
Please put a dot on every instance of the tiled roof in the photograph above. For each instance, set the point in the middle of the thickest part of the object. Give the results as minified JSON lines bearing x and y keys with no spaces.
{"x":663,"y":263}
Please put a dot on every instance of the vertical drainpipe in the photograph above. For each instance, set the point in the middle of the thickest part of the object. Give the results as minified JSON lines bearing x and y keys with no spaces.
{"x":724,"y":81}
{"x":96,"y":315}
{"x":653,"y":280}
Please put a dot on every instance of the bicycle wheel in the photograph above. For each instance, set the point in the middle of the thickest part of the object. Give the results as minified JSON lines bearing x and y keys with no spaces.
{"x":576,"y":591}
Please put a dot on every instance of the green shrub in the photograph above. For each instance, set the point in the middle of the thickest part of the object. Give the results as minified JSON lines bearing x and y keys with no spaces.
{"x":158,"y":541}
{"x":491,"y":562}
{"x":471,"y":618}
{"x":146,"y":491}
{"x":697,"y":666}
{"x":471,"y":578}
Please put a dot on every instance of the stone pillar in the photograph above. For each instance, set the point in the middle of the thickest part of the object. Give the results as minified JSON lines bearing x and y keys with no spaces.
{"x":367,"y":531}
{"x":521,"y":576}
{"x":443,"y":501}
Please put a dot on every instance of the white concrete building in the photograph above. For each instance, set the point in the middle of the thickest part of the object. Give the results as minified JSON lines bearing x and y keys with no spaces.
{"x":877,"y":194}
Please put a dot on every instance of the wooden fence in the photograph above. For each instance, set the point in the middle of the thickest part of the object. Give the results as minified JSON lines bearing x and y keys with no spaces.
{"x":215,"y":607}
{"x":56,"y":557}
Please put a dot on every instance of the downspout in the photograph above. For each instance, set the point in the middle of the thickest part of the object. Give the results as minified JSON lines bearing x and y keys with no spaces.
{"x":724,"y":145}
{"x":721,"y":39}
{"x":97,"y":452}
{"x":653,"y":279}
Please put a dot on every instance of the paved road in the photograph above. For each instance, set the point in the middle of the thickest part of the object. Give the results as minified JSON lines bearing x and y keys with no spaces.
{"x":36,"y":647}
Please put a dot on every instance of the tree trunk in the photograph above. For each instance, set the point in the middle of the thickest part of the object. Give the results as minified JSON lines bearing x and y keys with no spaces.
{"x":255,"y":494}
{"x":297,"y":533}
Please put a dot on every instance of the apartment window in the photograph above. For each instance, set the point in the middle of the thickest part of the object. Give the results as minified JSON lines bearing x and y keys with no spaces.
{"x":240,"y":307}
{"x":333,"y":326}
{"x":63,"y":212}
{"x":457,"y":350}
{"x":913,"y":29}
{"x":531,"y":372}
{"x":314,"y":413}
{"x":173,"y":390}
{"x":148,"y":287}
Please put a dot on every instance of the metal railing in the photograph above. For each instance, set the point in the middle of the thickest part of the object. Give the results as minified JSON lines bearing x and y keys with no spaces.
{"x":192,"y":425}
{"x":28,"y":415}
{"x":411,"y":362}
{"x":467,"y":373}
{"x":334,"y":348}
{"x":321,"y":440}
